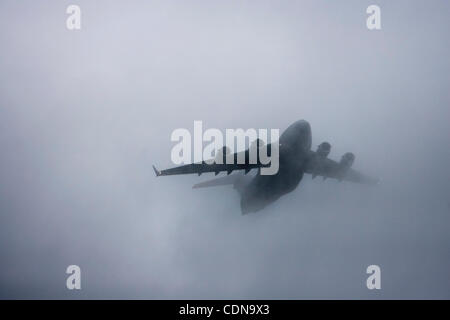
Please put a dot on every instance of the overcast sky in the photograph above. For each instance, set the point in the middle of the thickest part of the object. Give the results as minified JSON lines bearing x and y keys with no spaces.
{"x":84,"y":114}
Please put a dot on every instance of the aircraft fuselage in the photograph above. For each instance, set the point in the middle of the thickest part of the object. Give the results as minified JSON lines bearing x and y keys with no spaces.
{"x":295,"y":146}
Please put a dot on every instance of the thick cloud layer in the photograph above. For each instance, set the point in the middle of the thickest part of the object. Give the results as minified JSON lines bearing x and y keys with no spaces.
{"x":84,"y":114}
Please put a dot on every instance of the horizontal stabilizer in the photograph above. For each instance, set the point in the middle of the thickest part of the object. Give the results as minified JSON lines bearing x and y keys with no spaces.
{"x":227,"y":180}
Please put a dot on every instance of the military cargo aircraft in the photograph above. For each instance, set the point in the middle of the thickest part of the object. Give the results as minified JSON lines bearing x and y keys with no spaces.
{"x":295,"y":159}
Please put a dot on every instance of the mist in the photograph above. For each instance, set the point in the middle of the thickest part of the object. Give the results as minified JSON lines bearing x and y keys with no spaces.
{"x":84,"y":114}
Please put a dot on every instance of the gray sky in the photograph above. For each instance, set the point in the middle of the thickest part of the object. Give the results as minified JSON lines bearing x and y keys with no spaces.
{"x":84,"y":114}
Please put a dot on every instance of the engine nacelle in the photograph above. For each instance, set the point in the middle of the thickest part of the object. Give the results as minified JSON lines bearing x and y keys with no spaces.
{"x":347,"y":160}
{"x":323,"y":149}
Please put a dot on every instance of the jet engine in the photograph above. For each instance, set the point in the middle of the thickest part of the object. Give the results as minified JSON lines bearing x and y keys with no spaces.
{"x":347,"y":160}
{"x":323,"y":150}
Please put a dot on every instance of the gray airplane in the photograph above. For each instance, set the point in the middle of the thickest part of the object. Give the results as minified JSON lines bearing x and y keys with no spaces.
{"x":295,"y":159}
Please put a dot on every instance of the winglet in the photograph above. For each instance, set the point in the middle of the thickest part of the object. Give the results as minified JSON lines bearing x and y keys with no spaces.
{"x":158,"y":173}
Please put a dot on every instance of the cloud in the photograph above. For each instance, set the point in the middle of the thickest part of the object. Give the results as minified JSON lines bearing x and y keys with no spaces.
{"x":85,"y":114}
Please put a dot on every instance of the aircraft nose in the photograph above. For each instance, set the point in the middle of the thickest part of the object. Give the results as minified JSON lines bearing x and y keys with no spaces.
{"x":304,"y":131}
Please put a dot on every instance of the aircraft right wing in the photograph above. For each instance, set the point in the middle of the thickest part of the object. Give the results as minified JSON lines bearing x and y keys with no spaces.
{"x":327,"y":168}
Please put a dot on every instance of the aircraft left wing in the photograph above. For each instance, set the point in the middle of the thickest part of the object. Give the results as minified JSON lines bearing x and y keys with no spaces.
{"x":203,"y":167}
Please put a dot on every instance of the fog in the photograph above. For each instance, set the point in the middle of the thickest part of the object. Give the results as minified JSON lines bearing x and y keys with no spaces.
{"x":85,"y":113}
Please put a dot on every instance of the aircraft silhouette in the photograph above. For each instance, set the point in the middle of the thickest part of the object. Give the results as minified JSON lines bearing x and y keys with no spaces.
{"x":295,"y":159}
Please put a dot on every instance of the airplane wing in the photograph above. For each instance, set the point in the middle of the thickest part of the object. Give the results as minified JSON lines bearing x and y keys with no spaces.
{"x":327,"y":168}
{"x":203,"y":167}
